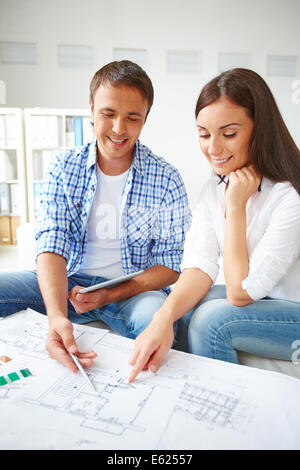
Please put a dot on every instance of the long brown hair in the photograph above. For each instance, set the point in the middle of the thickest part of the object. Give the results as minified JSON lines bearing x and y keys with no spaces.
{"x":272,"y":149}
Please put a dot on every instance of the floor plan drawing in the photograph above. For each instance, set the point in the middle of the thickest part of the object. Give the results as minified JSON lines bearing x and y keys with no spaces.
{"x":224,"y":406}
{"x":191,"y":402}
{"x":210,"y":406}
{"x":28,"y":333}
{"x":103,"y":413}
{"x":119,"y":415}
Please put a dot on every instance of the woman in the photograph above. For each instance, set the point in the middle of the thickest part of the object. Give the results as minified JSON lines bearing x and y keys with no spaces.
{"x":249,"y":213}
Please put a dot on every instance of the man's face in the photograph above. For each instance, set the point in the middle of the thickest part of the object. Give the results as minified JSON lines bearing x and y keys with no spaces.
{"x":119,"y":113}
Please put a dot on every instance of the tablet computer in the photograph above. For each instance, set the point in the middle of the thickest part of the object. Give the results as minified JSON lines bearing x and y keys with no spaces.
{"x":110,"y":283}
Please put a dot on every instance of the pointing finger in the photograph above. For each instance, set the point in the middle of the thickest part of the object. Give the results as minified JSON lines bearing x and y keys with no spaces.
{"x":139,"y":365}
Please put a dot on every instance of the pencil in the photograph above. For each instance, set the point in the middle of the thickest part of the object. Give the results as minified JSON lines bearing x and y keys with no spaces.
{"x":81,"y":369}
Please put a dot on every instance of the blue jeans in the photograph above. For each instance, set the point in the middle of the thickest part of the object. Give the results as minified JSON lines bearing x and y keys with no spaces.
{"x":266,"y":327}
{"x":20,"y":290}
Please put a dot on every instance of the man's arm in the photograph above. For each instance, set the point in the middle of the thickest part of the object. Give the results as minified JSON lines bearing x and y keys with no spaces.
{"x":53,"y":282}
{"x":153,"y":278}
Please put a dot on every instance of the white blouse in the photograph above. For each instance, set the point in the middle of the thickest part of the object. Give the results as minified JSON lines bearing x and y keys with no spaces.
{"x":273,"y":238}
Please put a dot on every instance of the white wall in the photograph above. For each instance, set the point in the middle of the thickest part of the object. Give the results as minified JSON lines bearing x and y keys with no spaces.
{"x":258,"y":27}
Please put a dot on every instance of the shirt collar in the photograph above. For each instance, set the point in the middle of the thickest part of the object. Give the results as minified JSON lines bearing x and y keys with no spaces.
{"x":224,"y":179}
{"x":138,"y":160}
{"x":92,"y":155}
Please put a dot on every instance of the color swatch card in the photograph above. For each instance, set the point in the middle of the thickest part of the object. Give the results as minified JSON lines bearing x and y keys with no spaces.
{"x":14,"y":375}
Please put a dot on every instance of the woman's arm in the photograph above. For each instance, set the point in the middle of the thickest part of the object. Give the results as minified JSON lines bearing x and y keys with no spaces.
{"x":155,"y":341}
{"x":242,"y":184}
{"x":200,"y":269}
{"x":275,"y":254}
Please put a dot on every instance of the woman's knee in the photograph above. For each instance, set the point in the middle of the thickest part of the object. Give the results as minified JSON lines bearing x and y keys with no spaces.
{"x":209,"y":330}
{"x":212,"y":315}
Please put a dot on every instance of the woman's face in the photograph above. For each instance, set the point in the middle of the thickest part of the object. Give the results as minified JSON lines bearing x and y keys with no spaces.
{"x":224,"y":133}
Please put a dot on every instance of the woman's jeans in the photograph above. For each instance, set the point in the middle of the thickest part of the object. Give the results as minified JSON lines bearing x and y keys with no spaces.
{"x":20,"y":290}
{"x":266,"y":327}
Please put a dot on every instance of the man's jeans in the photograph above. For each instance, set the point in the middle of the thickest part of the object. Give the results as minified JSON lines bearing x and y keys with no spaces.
{"x":266,"y":327}
{"x":20,"y":290}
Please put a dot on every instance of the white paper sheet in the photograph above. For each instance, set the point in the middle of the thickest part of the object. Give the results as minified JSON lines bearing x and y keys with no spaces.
{"x":120,"y":417}
{"x":227,"y":406}
{"x":191,"y":403}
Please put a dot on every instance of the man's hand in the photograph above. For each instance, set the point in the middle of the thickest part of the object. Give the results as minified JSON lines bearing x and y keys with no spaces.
{"x":153,"y":278}
{"x":83,"y":303}
{"x":151,"y":346}
{"x":60,"y":341}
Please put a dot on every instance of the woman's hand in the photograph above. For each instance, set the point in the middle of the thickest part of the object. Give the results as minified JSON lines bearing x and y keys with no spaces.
{"x":242,"y":184}
{"x":151,"y":346}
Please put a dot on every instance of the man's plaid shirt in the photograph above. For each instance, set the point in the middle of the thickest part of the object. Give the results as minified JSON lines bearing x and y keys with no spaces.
{"x":155,"y":215}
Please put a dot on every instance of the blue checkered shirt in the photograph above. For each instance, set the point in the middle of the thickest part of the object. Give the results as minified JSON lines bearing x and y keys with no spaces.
{"x":155,"y":212}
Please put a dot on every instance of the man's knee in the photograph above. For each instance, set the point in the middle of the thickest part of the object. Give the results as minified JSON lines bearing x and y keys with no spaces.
{"x":148,"y":303}
{"x":18,"y":291}
{"x":143,"y":308}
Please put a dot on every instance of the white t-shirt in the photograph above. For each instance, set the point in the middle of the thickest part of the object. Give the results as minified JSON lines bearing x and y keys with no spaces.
{"x":103,"y":255}
{"x":273,"y":238}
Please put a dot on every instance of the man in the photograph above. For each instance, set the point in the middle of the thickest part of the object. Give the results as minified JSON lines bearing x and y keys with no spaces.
{"x":108,"y":208}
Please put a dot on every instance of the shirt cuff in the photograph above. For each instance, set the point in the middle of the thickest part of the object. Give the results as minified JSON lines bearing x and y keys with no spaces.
{"x":53,"y":242}
{"x":165,"y":260}
{"x":261,"y":281}
{"x":211,"y":269}
{"x":253,"y":288}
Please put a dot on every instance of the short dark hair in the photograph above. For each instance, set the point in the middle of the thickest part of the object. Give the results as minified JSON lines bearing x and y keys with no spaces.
{"x":272,"y":149}
{"x":126,"y":73}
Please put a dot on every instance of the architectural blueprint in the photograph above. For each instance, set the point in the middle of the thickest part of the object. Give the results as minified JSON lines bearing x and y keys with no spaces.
{"x":119,"y":416}
{"x":27,"y":332}
{"x":190,"y":403}
{"x":227,"y":406}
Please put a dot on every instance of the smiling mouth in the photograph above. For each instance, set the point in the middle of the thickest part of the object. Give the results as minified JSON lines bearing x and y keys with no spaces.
{"x":117,"y":141}
{"x":221,"y":161}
